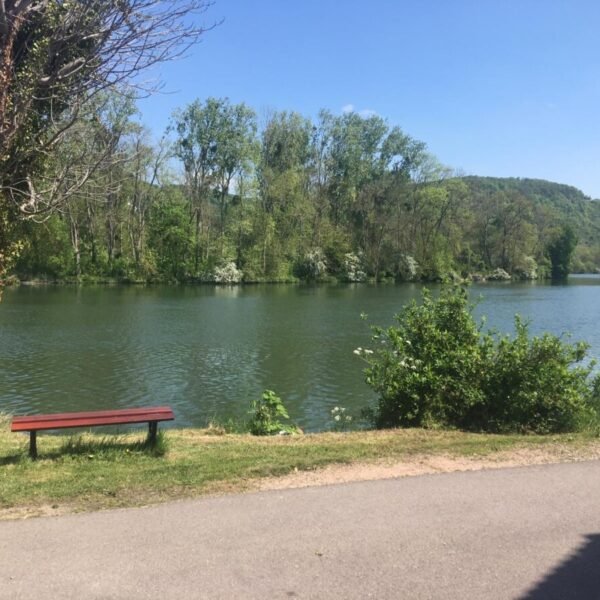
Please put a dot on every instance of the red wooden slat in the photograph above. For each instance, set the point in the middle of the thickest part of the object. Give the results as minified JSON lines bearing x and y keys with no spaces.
{"x":97,"y":413}
{"x":91,"y":419}
{"x":92,"y":414}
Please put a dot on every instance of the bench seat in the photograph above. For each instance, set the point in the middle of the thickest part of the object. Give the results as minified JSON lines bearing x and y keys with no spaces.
{"x":35,"y":423}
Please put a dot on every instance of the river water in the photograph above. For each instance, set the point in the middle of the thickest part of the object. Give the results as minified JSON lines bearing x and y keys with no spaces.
{"x":208,"y":351}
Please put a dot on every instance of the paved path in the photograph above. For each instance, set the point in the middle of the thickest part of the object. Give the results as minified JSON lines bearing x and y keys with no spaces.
{"x":530,"y":533}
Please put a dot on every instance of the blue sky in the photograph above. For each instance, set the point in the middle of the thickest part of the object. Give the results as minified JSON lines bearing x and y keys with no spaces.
{"x":494,"y":87}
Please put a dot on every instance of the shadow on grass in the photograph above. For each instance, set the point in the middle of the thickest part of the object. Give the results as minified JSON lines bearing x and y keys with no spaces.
{"x":107,"y":447}
{"x":576,"y":577}
{"x":12,"y":459}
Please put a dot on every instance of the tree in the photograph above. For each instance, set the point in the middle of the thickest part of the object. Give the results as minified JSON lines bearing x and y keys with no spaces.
{"x":215,"y":141}
{"x":143,"y":189}
{"x":92,"y":200}
{"x":55,"y":56}
{"x":170,"y":234}
{"x":237,"y":146}
{"x":560,"y":251}
{"x":283,"y":175}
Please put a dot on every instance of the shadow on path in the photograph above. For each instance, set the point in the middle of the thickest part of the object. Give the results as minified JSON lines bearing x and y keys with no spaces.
{"x":577,"y":577}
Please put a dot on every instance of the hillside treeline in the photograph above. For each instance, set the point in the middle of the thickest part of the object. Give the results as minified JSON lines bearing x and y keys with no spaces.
{"x":349,"y":197}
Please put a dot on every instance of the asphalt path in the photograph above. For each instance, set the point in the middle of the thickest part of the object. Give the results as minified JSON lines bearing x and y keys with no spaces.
{"x":530,"y":533}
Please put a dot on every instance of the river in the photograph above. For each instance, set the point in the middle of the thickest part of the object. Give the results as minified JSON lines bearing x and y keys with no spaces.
{"x":208,"y":351}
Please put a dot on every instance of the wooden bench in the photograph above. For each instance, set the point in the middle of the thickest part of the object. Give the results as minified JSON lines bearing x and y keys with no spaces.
{"x":33,"y":424}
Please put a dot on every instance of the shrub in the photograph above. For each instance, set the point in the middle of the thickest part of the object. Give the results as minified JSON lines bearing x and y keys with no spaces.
{"x":228,"y":273}
{"x":408,"y":268}
{"x":312,"y":266}
{"x":436,"y":368}
{"x":354,"y":269}
{"x":268,"y":413}
{"x":535,"y":385}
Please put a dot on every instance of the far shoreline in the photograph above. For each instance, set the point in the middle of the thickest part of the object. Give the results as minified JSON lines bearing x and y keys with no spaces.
{"x":114,"y":282}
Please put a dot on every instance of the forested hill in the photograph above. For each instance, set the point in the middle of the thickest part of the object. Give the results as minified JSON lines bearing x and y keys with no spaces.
{"x":539,"y":189}
{"x":568,"y":203}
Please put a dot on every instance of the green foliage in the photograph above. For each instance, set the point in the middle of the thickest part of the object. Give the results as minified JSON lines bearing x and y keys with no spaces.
{"x":47,"y":251}
{"x":171,"y":238}
{"x":536,"y":385}
{"x":268,"y":416}
{"x":435,"y":368}
{"x":560,"y":251}
{"x":54,"y":67}
{"x":346,"y":197}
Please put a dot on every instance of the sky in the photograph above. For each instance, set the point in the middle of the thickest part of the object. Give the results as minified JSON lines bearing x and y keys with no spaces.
{"x":506,"y":88}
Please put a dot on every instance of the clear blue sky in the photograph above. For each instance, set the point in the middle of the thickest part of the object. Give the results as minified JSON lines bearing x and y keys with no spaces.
{"x":494,"y":87}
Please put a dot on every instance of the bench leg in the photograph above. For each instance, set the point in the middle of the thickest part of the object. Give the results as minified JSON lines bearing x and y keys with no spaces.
{"x":33,"y":444}
{"x":152,"y":429}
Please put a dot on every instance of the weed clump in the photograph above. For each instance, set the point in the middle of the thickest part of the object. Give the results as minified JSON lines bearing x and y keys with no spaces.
{"x":269,"y":416}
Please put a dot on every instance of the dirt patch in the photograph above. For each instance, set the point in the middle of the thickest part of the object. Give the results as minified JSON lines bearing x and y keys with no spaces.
{"x":28,"y":512}
{"x":425,"y":465}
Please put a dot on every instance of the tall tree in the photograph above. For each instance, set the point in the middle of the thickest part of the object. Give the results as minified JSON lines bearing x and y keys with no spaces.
{"x":284,"y":177}
{"x":143,"y":189}
{"x":215,"y":141}
{"x":237,"y":148}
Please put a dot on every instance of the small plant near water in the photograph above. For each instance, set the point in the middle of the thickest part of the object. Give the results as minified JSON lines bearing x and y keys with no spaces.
{"x":268,"y":416}
{"x":341,"y":420}
{"x":437,"y":368}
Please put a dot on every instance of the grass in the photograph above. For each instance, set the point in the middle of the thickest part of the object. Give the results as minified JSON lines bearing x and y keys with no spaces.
{"x":92,"y":471}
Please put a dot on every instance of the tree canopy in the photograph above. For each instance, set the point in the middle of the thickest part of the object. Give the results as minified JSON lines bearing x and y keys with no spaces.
{"x":340,"y":196}
{"x":54,"y":58}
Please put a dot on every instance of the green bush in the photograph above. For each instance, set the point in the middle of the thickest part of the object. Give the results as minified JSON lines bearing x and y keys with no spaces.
{"x":268,"y":413}
{"x":436,"y":368}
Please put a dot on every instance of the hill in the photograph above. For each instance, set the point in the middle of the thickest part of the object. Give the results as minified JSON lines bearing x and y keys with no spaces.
{"x":549,"y":205}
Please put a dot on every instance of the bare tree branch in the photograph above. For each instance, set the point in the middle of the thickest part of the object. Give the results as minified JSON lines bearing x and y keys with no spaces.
{"x":55,"y":56}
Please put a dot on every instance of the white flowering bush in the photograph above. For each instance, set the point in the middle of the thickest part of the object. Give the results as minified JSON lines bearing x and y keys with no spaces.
{"x":341,"y":420}
{"x":499,"y":275}
{"x":228,"y":273}
{"x":408,"y":268}
{"x":527,"y":268}
{"x":313,"y":265}
{"x":353,"y":268}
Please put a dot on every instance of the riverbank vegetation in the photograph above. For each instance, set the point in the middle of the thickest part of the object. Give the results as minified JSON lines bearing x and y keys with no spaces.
{"x":346,"y":197}
{"x":436,"y":367}
{"x":93,"y":471}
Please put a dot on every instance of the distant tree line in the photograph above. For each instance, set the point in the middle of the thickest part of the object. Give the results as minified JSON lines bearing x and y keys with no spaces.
{"x":341,"y":196}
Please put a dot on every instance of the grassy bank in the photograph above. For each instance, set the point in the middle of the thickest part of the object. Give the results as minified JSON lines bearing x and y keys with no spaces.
{"x":94,"y":471}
